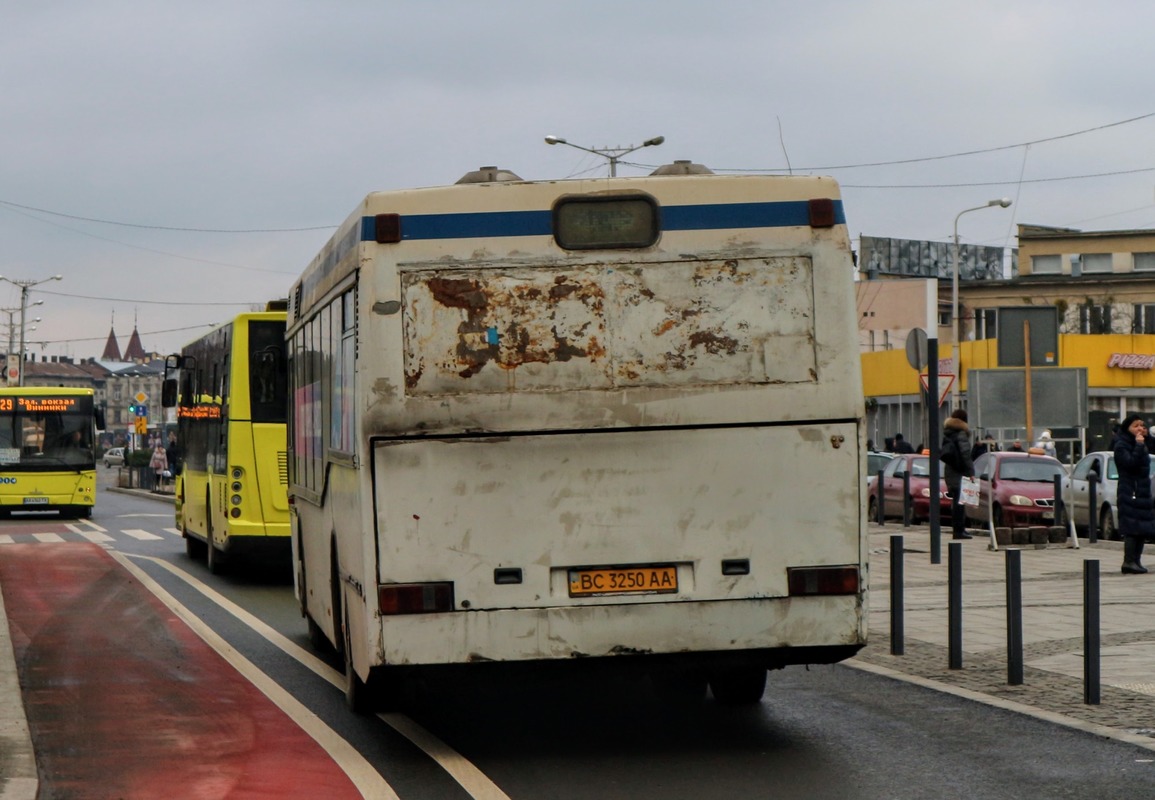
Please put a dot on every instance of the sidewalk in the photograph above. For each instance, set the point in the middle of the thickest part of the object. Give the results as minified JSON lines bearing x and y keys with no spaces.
{"x":1052,"y":597}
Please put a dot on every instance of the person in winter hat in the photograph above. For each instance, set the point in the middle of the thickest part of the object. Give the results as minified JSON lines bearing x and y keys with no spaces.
{"x":1136,"y":509}
{"x":956,"y":455}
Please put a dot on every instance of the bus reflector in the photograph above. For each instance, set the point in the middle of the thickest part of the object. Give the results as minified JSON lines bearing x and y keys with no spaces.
{"x":822,"y":213}
{"x":805,"y":581}
{"x":414,"y":598}
{"x":388,"y":228}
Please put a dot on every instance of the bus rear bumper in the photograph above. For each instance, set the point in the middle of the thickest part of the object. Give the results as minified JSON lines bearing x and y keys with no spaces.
{"x":773,"y":631}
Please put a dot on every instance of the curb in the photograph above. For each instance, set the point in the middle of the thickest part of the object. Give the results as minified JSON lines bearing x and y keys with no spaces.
{"x":19,"y":779}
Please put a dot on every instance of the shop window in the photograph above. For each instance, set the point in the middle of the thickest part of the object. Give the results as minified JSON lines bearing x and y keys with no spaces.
{"x":1094,"y":318}
{"x":1144,"y":320}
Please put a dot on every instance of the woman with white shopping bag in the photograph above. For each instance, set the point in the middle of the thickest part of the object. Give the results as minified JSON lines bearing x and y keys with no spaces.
{"x":956,"y":455}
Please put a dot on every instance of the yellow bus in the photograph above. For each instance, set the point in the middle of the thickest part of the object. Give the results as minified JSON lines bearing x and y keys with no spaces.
{"x":47,"y":456}
{"x":574,"y":424}
{"x":228,"y":388}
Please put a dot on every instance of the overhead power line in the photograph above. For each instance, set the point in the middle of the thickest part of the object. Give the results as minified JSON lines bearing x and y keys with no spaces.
{"x":164,"y":227}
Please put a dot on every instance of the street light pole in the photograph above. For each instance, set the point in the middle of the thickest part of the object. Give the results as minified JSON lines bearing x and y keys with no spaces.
{"x":1002,"y":202}
{"x":614,"y":154}
{"x":25,"y":285}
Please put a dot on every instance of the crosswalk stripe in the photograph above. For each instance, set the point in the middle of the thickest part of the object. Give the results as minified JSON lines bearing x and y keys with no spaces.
{"x":174,"y":532}
{"x":144,"y":536}
{"x":6,"y":539}
{"x":48,"y":537}
{"x":96,"y":537}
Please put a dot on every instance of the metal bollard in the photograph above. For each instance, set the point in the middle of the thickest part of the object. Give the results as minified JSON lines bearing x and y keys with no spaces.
{"x":881,"y":495}
{"x":1057,"y":509}
{"x":1092,"y":511}
{"x":1091,"y":642}
{"x":954,"y":604}
{"x":907,"y":509}
{"x":897,"y":623}
{"x":1014,"y":571}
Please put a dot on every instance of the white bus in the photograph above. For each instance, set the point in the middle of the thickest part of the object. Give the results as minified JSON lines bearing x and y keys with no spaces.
{"x":613,"y":422}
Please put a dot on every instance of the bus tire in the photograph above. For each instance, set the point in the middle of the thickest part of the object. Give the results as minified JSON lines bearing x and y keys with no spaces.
{"x":194,"y":548}
{"x":214,"y":558}
{"x":739,"y":686}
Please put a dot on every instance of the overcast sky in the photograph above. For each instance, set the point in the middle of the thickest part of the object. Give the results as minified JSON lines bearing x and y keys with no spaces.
{"x":253,"y":127}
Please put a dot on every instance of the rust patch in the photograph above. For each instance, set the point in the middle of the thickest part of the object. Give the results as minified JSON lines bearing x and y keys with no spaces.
{"x":458,"y":293}
{"x":713,"y":343}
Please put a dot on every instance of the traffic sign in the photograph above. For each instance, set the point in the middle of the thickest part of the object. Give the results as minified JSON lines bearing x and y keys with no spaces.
{"x":141,"y":425}
{"x":945,"y":381}
{"x":140,"y":397}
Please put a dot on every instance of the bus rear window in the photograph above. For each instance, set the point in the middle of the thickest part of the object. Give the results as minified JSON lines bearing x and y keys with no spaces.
{"x":604,"y":222}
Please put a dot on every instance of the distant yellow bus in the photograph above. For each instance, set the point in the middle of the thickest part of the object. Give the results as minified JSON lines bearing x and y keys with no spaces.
{"x":47,"y":460}
{"x":229,"y":391}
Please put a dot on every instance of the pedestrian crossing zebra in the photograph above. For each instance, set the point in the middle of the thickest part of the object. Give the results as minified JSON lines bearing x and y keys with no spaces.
{"x":85,"y":532}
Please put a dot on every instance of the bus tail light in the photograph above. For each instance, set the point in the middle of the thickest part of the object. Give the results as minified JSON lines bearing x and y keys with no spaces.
{"x":822,"y":213}
{"x":809,"y":581}
{"x":414,"y":598}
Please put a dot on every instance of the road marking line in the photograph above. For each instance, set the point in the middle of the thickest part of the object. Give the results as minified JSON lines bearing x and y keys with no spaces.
{"x":469,"y":777}
{"x":367,"y":780}
{"x":143,"y":536}
{"x":6,"y":539}
{"x":48,"y":537}
{"x":174,"y":531}
{"x":96,"y":537}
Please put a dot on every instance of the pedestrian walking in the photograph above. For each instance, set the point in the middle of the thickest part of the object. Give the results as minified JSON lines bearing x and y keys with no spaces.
{"x":901,"y":445}
{"x":159,"y":465}
{"x":956,"y":455}
{"x":1136,"y":508}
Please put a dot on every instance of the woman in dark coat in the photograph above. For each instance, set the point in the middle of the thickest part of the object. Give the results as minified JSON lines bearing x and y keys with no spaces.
{"x":1136,"y":511}
{"x":956,"y":455}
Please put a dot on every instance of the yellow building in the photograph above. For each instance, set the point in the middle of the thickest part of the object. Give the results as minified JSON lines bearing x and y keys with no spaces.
{"x":1102,"y":285}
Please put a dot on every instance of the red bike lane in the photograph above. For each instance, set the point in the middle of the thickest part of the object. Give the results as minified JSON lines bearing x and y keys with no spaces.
{"x":124,"y":700}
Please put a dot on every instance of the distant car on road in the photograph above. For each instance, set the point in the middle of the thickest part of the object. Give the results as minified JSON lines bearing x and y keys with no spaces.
{"x":1099,"y":467}
{"x":892,"y":488}
{"x":113,"y":457}
{"x":1023,"y":486}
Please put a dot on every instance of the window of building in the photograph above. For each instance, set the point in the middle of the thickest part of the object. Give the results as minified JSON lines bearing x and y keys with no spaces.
{"x":1046,"y":265}
{"x":986,"y":323}
{"x":1096,"y":262}
{"x":1144,"y":262}
{"x":1144,"y":318}
{"x":1094,"y":318}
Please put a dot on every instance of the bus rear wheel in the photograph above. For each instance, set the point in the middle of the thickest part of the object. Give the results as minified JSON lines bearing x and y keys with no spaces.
{"x":739,"y":686}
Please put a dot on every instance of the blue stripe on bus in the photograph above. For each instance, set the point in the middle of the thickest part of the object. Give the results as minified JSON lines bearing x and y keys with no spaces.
{"x":540,"y":223}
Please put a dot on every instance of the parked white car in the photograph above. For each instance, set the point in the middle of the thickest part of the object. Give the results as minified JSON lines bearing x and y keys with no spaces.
{"x":1100,"y":467}
{"x":113,"y":457}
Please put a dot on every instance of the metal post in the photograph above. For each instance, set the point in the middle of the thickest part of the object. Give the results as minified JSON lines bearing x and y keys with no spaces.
{"x":1092,"y":510}
{"x":881,"y":496}
{"x":897,"y":623}
{"x":907,"y":508}
{"x":1091,"y":632}
{"x":934,"y":435}
{"x":1014,"y":571}
{"x":954,"y":604}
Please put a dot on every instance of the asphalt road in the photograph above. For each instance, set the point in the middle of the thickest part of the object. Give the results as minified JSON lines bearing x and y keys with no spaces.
{"x":826,"y":732}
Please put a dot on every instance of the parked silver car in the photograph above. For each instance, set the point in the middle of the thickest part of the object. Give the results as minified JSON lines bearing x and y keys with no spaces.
{"x":1098,"y":466}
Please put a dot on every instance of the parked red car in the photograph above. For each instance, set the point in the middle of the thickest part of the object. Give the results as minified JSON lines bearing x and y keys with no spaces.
{"x":892,"y":487}
{"x":1016,"y":489}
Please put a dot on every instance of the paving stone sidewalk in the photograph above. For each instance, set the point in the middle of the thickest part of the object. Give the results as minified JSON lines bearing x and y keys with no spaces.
{"x":1053,"y":620}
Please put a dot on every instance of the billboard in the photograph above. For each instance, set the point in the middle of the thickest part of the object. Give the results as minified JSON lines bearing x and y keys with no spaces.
{"x":922,"y":259}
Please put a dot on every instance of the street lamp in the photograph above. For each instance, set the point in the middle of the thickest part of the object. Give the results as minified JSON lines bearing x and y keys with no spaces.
{"x":1003,"y":203}
{"x":614,"y":154}
{"x":25,"y":285}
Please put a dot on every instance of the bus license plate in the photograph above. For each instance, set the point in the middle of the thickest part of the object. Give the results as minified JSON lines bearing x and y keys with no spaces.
{"x":35,"y":501}
{"x":623,"y":580}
